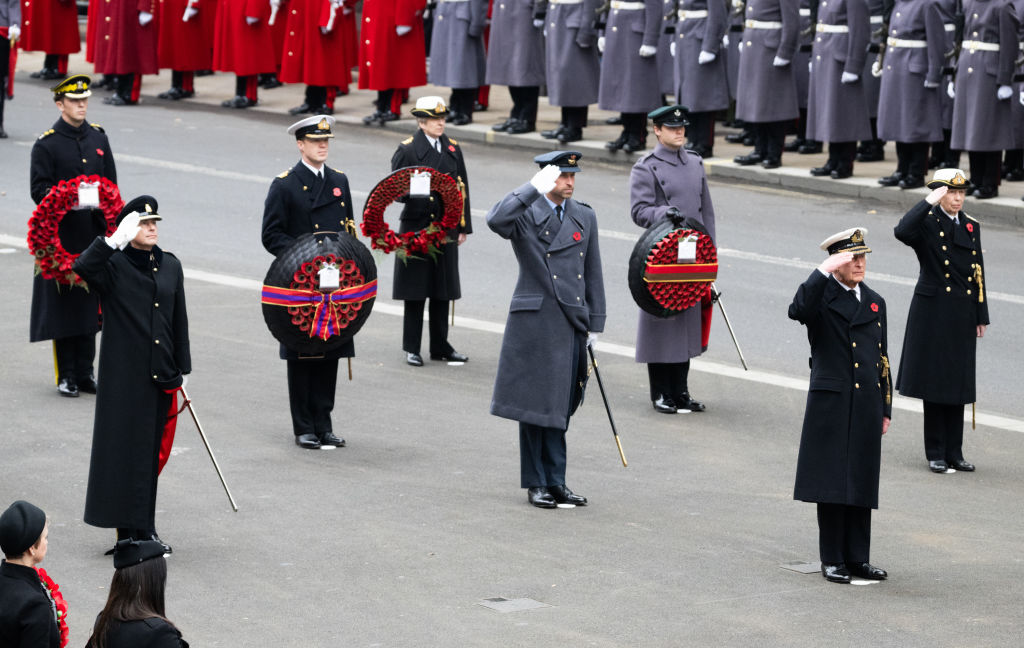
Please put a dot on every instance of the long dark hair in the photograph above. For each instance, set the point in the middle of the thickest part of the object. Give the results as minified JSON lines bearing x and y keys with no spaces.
{"x":136,"y":593}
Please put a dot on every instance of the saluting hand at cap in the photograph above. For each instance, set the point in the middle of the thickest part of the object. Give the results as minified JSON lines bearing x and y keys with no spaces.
{"x":936,"y":195}
{"x":544,"y":180}
{"x":835,"y":261}
{"x":125,"y":232}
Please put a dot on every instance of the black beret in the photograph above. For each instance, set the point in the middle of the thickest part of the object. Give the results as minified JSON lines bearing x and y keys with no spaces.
{"x":130,"y":552}
{"x":20,"y":527}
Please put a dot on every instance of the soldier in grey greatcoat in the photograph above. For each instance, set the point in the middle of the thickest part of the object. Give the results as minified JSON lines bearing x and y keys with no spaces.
{"x":849,"y":404}
{"x":873,"y":150}
{"x":766,"y":92}
{"x":666,"y":63}
{"x":669,"y":184}
{"x":731,"y":42}
{"x":457,"y":58}
{"x":557,"y":308}
{"x":629,"y":70}
{"x":942,"y":156}
{"x":982,"y":90}
{"x":801,"y":65}
{"x":515,"y":58}
{"x":1013,"y":161}
{"x":572,"y":64}
{"x":837,"y":110}
{"x":701,"y":78}
{"x":910,"y":110}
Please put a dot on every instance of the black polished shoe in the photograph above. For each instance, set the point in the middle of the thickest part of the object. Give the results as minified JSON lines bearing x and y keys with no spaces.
{"x":479,"y":107}
{"x":118,"y":100}
{"x":503,"y":126}
{"x":3,"y":133}
{"x":562,"y":495}
{"x":238,"y":101}
{"x":541,"y":498}
{"x":155,"y":538}
{"x":553,"y":133}
{"x":570,"y":135}
{"x":700,"y":149}
{"x":300,"y":109}
{"x":174,"y":93}
{"x":616,"y":143}
{"x":810,"y":147}
{"x":47,"y":74}
{"x":871,"y":153}
{"x":747,"y":160}
{"x":912,"y":182}
{"x":67,"y":387}
{"x":1013,"y":175}
{"x":460,"y":119}
{"x":984,"y":193}
{"x":866,"y":571}
{"x":737,"y":138}
{"x":938,"y":466}
{"x":414,"y":359}
{"x":664,"y":405}
{"x":794,"y":146}
{"x":452,"y":356}
{"x":328,"y":440}
{"x":841,"y":174}
{"x":87,"y":385}
{"x":685,"y":404}
{"x":891,"y":180}
{"x":771,"y":163}
{"x":614,"y":121}
{"x":633,"y":145}
{"x":373,"y":119}
{"x":521,"y":126}
{"x":388,"y":116}
{"x":822,"y":170}
{"x":308,"y":441}
{"x":962,"y":464}
{"x":267,"y":81}
{"x":835,"y":573}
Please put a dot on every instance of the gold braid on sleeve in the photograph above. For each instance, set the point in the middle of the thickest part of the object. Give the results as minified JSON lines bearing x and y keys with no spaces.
{"x":462,"y":190}
{"x":981,"y":282}
{"x":888,"y":380}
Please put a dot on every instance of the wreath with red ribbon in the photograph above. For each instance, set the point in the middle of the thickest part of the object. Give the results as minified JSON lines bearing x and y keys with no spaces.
{"x":678,"y":286}
{"x":52,"y":260}
{"x":59,"y":603}
{"x":426,"y":241}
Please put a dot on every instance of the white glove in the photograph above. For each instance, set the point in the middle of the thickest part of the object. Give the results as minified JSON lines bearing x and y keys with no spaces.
{"x":275,"y":3}
{"x":672,"y":48}
{"x":600,"y":44}
{"x":739,"y":47}
{"x":810,"y":64}
{"x":145,"y":18}
{"x":538,"y":23}
{"x":14,"y":32}
{"x":592,"y":340}
{"x":1021,"y":98}
{"x":647,"y":51}
{"x":876,"y":71}
{"x":705,"y":57}
{"x":951,"y":91}
{"x":725,"y":40}
{"x":544,"y":180}
{"x":1004,"y":92}
{"x":251,"y":20}
{"x":190,"y":12}
{"x":402,"y":30}
{"x":125,"y":232}
{"x":936,"y":194}
{"x":931,"y":85}
{"x":833,"y":262}
{"x":780,"y":62}
{"x":184,"y":380}
{"x":849,"y":77}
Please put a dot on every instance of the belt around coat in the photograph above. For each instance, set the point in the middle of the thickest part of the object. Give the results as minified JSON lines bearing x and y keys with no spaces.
{"x":692,"y":14}
{"x":972,"y":45}
{"x":762,"y":24}
{"x":627,"y":6}
{"x":832,"y":29}
{"x":904,"y":42}
{"x":558,"y":2}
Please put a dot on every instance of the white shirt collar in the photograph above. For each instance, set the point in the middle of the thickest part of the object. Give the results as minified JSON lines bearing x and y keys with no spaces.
{"x":312,"y":168}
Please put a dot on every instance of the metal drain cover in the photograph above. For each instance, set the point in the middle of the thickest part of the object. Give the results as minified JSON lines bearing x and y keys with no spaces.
{"x":801,"y":567}
{"x":500,"y":604}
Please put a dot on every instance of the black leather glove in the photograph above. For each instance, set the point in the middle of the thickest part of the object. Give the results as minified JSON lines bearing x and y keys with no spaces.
{"x":674,"y":216}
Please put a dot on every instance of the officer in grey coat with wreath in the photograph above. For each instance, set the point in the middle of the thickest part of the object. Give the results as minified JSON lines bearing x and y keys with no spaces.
{"x":557,"y":309}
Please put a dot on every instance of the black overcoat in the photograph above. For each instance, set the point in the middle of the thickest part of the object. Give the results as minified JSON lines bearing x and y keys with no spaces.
{"x":27,"y":616}
{"x":144,"y":351}
{"x":560,"y":293}
{"x":425,"y":277}
{"x":841,"y":440}
{"x":62,"y":153}
{"x":143,"y":633}
{"x":295,"y":207}
{"x":938,"y":359}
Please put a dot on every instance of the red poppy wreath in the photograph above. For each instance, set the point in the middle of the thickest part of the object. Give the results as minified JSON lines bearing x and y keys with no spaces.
{"x":52,"y":260}
{"x":58,"y":603}
{"x":425,"y":241}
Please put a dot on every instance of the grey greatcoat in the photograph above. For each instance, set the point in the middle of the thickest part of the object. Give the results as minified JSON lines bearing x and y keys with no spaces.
{"x":1017,"y":108}
{"x":908,"y":111}
{"x":948,"y":9}
{"x":666,"y":63}
{"x":515,"y":54}
{"x":803,"y":54}
{"x":701,"y":88}
{"x":872,"y":84}
{"x":841,"y":440}
{"x":732,"y":51}
{"x":662,"y":179}
{"x":457,"y":57}
{"x":938,"y":359}
{"x":572,"y":62}
{"x":560,"y":292}
{"x":764,"y":92}
{"x":837,"y":111}
{"x":629,"y":82}
{"x":977,"y":112}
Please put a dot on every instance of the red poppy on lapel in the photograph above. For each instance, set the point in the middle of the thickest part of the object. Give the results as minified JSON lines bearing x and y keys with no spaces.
{"x":99,"y":151}
{"x":337,"y":192}
{"x":970,"y":228}
{"x":576,"y":236}
{"x":874,"y":307}
{"x":451,"y":148}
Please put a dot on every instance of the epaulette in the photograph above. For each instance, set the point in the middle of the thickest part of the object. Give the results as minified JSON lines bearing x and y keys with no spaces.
{"x":338,"y":171}
{"x":645,"y":157}
{"x":971,"y":218}
{"x":694,"y":154}
{"x":580,"y":202}
{"x":407,"y":141}
{"x":283,"y":174}
{"x":47,"y":134}
{"x":453,"y":141}
{"x":97,"y":127}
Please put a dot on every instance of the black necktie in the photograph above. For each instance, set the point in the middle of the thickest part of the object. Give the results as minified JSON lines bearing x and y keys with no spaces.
{"x":558,"y":212}
{"x":853,"y":293}
{"x":956,"y":221}
{"x":437,"y":145}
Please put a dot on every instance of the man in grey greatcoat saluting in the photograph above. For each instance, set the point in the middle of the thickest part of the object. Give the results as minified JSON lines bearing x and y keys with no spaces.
{"x":457,"y":58}
{"x":849,"y":404}
{"x":515,"y":58}
{"x":702,"y":84}
{"x":572,"y":64}
{"x":670,"y":184}
{"x":557,"y":309}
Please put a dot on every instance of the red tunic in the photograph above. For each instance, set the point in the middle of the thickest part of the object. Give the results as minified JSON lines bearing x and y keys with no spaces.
{"x":386,"y":60}
{"x":239,"y":47}
{"x":50,"y":26}
{"x":90,"y":31}
{"x":123,"y":46}
{"x":311,"y":57}
{"x":186,"y":46}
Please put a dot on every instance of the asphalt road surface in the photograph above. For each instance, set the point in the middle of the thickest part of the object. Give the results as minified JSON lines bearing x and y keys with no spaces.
{"x":397,"y":539}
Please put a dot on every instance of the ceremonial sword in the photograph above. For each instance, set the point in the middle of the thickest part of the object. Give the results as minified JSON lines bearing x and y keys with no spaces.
{"x":202,"y":435}
{"x":600,"y":383}
{"x":717,"y":297}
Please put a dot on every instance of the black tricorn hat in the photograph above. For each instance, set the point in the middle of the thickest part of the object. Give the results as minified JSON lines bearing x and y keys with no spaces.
{"x":145,"y":206}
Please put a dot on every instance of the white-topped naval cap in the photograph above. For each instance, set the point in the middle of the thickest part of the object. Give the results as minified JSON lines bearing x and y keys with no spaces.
{"x":851,"y":240}
{"x":315,"y":127}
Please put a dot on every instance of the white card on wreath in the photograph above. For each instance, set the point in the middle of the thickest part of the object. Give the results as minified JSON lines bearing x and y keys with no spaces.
{"x":688,"y":249}
{"x":419,"y":184}
{"x":89,"y":194}
{"x":328,"y":278}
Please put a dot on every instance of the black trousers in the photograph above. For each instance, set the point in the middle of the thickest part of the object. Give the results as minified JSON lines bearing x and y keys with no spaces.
{"x":524,"y":103}
{"x":575,"y":116}
{"x":462,"y":100}
{"x":986,"y":168}
{"x":74,"y":356}
{"x":668,"y":379}
{"x":841,"y":155}
{"x":311,"y":387}
{"x":769,"y":138}
{"x":316,"y":96}
{"x":912,"y":158}
{"x":412,"y":326}
{"x":844,"y":533}
{"x":943,"y":432}
{"x":163,"y":405}
{"x":5,"y":61}
{"x":701,"y":131}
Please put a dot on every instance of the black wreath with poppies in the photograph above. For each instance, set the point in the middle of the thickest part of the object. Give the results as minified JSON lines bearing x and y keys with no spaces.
{"x":425,"y":241}
{"x":52,"y":260}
